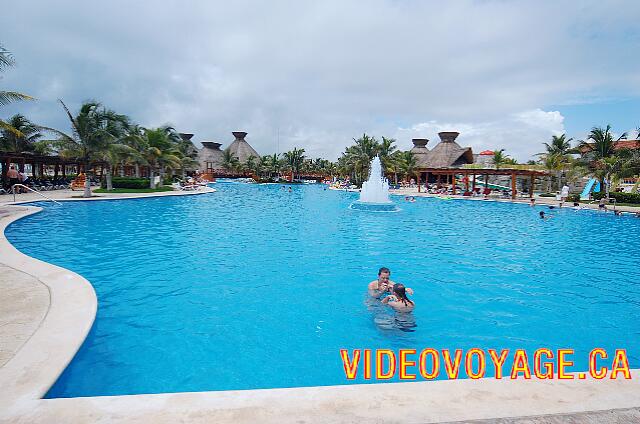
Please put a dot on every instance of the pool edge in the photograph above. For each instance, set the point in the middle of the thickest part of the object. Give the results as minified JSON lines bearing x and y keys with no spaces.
{"x":38,"y":363}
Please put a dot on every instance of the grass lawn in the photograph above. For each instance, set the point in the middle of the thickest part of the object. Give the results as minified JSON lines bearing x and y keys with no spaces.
{"x":133,"y":190}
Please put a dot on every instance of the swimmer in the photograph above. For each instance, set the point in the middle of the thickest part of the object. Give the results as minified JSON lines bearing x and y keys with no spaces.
{"x":412,"y":199}
{"x":545,"y":217}
{"x":602,"y":204}
{"x":617,"y":212}
{"x":576,"y":206}
{"x":383,"y":285}
{"x":399,"y":300}
{"x":532,"y":202}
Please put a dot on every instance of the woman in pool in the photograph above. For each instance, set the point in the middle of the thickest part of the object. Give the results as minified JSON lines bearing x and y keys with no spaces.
{"x":399,"y":300}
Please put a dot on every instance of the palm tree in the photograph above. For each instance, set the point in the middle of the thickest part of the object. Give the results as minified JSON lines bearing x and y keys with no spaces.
{"x":230,"y":162}
{"x":623,"y":164}
{"x":558,"y":154}
{"x":599,"y":146}
{"x":22,"y":136}
{"x":94,"y":128}
{"x":6,"y":97}
{"x":135,"y":139}
{"x":552,"y":162}
{"x":499,"y":158}
{"x":408,"y":163}
{"x":559,"y":145}
{"x":386,"y":153}
{"x":251,"y":164}
{"x":356,"y":159}
{"x":162,"y":152}
{"x":395,"y":165}
{"x":271,"y":164}
{"x":186,"y":151}
{"x":295,"y":159}
{"x":111,"y":156}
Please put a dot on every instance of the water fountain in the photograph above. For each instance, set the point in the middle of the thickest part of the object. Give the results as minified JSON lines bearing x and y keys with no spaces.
{"x":374,"y":195}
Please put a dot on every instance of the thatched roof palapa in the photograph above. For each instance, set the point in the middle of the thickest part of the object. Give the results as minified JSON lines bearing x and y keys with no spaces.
{"x":210,"y":156}
{"x":241,"y":149}
{"x":447,"y":153}
{"x":420,"y":151}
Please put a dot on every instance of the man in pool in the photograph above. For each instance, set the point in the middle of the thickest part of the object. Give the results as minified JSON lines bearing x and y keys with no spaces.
{"x":545,"y":217}
{"x":383,"y":285}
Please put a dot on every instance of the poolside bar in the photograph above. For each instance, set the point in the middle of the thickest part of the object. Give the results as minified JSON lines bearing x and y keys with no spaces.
{"x":451,"y":174}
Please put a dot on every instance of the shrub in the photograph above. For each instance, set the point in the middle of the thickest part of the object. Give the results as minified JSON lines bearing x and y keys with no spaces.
{"x":573,"y":198}
{"x":547,"y":195}
{"x":130,"y":182}
{"x":620,"y":197}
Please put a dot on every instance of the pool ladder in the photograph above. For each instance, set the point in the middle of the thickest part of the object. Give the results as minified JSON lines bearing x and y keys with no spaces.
{"x":13,"y":190}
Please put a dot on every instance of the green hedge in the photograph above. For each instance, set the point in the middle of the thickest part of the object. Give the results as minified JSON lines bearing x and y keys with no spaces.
{"x":573,"y":198}
{"x":620,"y":197}
{"x":128,"y":182}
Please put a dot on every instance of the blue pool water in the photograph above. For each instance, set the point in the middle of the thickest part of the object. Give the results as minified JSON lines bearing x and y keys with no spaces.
{"x":256,"y":287}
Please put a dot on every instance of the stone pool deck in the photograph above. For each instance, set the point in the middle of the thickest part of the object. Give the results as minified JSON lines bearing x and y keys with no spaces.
{"x":46,"y":312}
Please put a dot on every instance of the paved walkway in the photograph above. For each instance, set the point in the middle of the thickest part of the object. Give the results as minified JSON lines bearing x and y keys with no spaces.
{"x":539,"y":200}
{"x":615,"y":416}
{"x":23,"y":305}
{"x":7,"y":199}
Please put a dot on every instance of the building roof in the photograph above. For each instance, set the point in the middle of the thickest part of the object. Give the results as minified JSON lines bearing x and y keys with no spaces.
{"x":618,"y":145}
{"x":241,"y":149}
{"x":210,"y":153}
{"x":447,"y":153}
{"x":487,"y":153}
{"x":420,"y":151}
{"x":627,"y":144}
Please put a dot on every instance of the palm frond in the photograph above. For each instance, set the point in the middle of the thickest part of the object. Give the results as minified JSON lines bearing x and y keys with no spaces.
{"x":6,"y":126}
{"x":7,"y":97}
{"x":6,"y":58}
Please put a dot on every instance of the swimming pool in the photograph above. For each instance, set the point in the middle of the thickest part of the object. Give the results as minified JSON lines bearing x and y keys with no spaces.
{"x":255,"y":287}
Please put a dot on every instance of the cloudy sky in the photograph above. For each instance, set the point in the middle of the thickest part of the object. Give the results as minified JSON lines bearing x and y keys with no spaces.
{"x":505,"y":74}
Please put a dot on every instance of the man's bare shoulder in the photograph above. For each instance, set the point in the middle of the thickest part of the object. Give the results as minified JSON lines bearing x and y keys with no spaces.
{"x":373,"y":284}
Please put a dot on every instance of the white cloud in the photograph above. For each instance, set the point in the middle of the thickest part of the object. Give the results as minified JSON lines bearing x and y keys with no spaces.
{"x":521,"y":134}
{"x":323,"y":72}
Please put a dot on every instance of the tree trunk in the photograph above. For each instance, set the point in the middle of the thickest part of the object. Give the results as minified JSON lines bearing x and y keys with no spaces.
{"x":87,"y":182}
{"x":151,"y":183}
{"x":137,"y":170}
{"x":109,"y":178}
{"x":559,"y":177}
